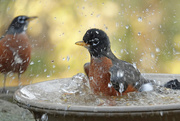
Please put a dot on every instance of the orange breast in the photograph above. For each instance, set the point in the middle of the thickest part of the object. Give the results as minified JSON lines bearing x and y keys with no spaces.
{"x":15,"y":53}
{"x":99,"y":76}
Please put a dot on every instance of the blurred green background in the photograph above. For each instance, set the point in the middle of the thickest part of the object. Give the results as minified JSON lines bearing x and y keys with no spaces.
{"x":145,"y":33}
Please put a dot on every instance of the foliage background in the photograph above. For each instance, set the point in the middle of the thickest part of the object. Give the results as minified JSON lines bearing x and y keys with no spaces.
{"x":145,"y":33}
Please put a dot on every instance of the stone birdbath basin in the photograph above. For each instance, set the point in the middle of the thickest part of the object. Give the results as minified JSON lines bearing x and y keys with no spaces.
{"x":70,"y":99}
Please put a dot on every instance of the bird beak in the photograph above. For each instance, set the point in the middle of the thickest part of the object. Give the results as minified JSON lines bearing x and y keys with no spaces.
{"x":31,"y":18}
{"x":82,"y":43}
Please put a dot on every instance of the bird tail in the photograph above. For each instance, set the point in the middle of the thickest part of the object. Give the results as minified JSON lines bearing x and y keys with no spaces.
{"x":148,"y":84}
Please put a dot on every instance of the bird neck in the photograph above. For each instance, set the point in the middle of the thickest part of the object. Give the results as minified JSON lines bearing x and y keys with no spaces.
{"x":13,"y":30}
{"x":110,"y":55}
{"x":107,"y":53}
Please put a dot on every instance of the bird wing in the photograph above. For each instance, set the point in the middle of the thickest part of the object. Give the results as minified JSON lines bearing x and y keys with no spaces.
{"x":123,"y":74}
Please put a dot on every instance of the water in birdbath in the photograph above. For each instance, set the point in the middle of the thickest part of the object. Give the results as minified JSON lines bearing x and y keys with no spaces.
{"x":76,"y":91}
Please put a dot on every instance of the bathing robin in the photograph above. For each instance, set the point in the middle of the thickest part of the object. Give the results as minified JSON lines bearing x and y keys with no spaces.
{"x":173,"y":84}
{"x":15,"y":49}
{"x":107,"y":74}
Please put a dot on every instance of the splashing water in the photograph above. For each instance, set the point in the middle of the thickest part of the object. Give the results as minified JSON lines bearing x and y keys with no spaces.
{"x":31,"y":63}
{"x":120,"y":73}
{"x":139,"y":33}
{"x":76,"y":91}
{"x":77,"y":85}
{"x":109,"y":84}
{"x":121,"y":88}
{"x":127,"y":26}
{"x":139,"y":19}
{"x":157,"y":50}
{"x":44,"y":117}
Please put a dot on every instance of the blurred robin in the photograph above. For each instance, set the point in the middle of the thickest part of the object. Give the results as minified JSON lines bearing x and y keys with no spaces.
{"x":173,"y":84}
{"x":15,"y":49}
{"x":107,"y":74}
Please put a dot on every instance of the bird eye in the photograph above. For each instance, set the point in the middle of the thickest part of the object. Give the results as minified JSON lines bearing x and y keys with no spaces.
{"x":96,"y":42}
{"x":20,"y":20}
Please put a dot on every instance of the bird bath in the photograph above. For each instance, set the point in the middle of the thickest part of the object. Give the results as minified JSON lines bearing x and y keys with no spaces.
{"x":70,"y":99}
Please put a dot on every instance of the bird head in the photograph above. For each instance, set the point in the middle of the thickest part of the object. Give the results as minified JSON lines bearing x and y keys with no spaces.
{"x":19,"y":24}
{"x":96,"y":41}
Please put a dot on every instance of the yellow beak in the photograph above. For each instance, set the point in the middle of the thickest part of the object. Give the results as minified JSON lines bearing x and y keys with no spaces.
{"x":82,"y":43}
{"x":31,"y":18}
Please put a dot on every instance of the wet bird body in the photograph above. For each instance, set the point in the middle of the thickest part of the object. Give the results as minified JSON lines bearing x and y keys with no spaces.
{"x":107,"y":74}
{"x":99,"y":76}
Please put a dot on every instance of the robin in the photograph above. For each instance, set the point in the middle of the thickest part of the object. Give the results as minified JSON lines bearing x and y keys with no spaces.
{"x":15,"y":49}
{"x":173,"y":84}
{"x":107,"y":74}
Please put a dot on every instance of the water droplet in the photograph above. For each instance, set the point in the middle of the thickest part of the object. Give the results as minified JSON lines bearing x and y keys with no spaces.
{"x":139,"y":33}
{"x":147,"y":10}
{"x":117,"y":24}
{"x":68,"y":67}
{"x":39,"y":61}
{"x":152,"y":55}
{"x":161,"y":113}
{"x":8,"y":9}
{"x":119,"y":40}
{"x":121,"y":88}
{"x":120,"y":73}
{"x":52,"y":61}
{"x":54,"y":18}
{"x":127,"y":26}
{"x":141,"y":60}
{"x":68,"y":58}
{"x":134,"y":65}
{"x":63,"y":59}
{"x":140,"y":19}
{"x":20,"y":83}
{"x":97,"y":32}
{"x":157,"y":50}
{"x":90,"y":78}
{"x":137,"y":83}
{"x":45,"y":70}
{"x":44,"y":117}
{"x":122,"y":50}
{"x":13,"y":78}
{"x":54,"y":66}
{"x":109,"y":84}
{"x":98,"y":15}
{"x":48,"y":76}
{"x":31,"y":63}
